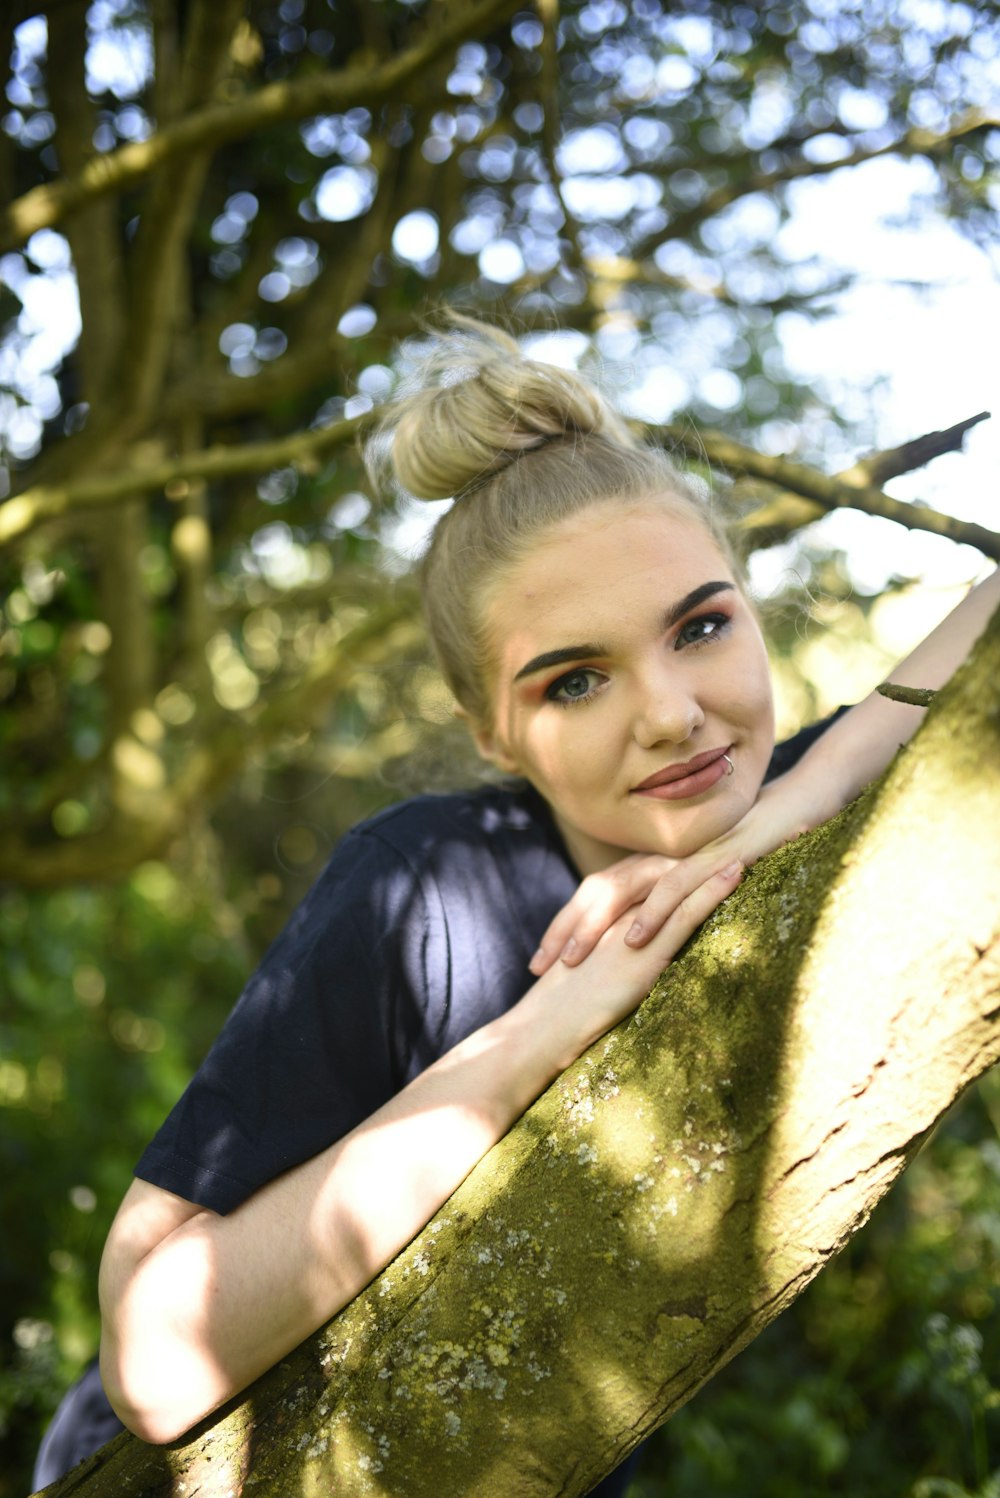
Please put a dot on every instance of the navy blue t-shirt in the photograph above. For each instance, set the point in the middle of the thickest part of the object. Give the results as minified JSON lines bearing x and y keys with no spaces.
{"x":419,"y":931}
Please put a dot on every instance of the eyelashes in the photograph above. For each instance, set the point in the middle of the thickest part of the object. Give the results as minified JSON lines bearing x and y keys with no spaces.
{"x":583,"y":683}
{"x":561,"y":691}
{"x":693,"y":632}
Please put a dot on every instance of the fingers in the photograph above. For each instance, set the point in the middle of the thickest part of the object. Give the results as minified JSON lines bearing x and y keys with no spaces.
{"x":597,"y":904}
{"x":663,"y":899}
{"x":686,"y":917}
{"x":675,"y":886}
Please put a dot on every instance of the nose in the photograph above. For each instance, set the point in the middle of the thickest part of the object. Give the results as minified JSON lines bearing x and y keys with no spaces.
{"x":668,"y":709}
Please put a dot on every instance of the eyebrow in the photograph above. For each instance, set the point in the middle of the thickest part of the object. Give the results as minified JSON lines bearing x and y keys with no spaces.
{"x":671,"y":616}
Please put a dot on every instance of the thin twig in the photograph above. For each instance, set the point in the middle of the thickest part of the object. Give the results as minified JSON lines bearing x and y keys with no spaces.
{"x":912,"y":696}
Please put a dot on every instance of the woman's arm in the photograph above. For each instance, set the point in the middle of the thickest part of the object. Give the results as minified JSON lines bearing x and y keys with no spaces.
{"x":859,"y":746}
{"x":831,"y":773}
{"x":195,"y":1306}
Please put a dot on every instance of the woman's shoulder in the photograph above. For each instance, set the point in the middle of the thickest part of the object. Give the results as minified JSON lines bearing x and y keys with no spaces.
{"x":489,"y":815}
{"x":440,"y":852}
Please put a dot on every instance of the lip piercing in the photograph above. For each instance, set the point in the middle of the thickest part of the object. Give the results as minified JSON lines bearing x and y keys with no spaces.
{"x":729,"y":763}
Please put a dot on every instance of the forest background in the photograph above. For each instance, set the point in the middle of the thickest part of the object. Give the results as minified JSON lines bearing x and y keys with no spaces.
{"x":222,"y":220}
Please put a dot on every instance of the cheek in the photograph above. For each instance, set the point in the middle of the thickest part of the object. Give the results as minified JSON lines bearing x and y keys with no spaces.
{"x":566,"y":752}
{"x":753,"y":687}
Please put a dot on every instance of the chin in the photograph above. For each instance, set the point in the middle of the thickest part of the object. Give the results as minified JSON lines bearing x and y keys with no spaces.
{"x":702,"y":832}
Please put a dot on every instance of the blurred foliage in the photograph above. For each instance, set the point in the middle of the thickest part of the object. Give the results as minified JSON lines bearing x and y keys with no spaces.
{"x":204,"y":682}
{"x":110,"y":997}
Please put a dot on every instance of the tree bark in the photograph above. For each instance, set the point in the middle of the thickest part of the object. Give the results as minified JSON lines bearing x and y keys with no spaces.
{"x":677,"y":1187}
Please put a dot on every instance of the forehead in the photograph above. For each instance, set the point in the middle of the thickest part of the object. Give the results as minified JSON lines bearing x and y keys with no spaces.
{"x":598,"y":571}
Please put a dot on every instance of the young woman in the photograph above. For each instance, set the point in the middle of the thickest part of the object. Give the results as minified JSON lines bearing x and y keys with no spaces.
{"x":460,"y":951}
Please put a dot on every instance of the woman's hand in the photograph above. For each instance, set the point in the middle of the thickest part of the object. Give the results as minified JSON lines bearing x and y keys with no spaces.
{"x":572,"y":1005}
{"x":653,"y":887}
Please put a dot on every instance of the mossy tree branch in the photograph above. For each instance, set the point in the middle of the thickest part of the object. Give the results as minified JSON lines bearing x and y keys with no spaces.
{"x":677,"y":1187}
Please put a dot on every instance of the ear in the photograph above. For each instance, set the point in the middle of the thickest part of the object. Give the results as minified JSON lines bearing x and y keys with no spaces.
{"x":492,"y":748}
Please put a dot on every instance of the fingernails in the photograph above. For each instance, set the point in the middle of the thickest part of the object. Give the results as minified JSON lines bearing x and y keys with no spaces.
{"x":634,"y":934}
{"x":538,"y":958}
{"x":567,"y":952}
{"x":732,"y":869}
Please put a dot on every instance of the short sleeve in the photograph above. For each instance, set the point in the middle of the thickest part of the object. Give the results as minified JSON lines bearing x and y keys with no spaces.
{"x":319,"y":1039}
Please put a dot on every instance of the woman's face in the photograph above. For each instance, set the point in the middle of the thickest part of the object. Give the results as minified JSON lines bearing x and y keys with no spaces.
{"x":627,"y":663}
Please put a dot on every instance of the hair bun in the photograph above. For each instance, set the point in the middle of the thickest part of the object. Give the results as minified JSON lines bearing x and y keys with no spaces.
{"x":472,"y":403}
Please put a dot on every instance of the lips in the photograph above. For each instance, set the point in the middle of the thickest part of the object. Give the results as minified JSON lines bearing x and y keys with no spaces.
{"x":681,"y":772}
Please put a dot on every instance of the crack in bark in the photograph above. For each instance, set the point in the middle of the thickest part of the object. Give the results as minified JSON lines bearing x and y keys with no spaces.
{"x":805,"y":1159}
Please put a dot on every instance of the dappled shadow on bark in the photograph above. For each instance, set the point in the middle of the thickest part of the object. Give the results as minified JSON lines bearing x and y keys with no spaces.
{"x":603,"y":1262}
{"x":691,"y":1233}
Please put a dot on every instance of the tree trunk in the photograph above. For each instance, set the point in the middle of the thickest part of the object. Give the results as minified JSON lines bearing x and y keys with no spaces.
{"x":676,"y":1188}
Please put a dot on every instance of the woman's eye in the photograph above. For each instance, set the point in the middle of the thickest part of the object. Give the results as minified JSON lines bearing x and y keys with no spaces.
{"x":577,"y":686}
{"x":705,"y":627}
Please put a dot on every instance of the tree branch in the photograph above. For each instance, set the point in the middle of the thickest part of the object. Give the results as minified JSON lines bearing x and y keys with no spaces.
{"x":828,"y":493}
{"x":93,"y":237}
{"x":191,"y":552}
{"x":548,"y":14}
{"x":158,"y":295}
{"x":626,"y":271}
{"x":35,"y":506}
{"x":96,"y":249}
{"x":915,"y":142}
{"x":342,"y":283}
{"x":878,"y":468}
{"x":217,"y":124}
{"x":129,"y":837}
{"x":781,"y":514}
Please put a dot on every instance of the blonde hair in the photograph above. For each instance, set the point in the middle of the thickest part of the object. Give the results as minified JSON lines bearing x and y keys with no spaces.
{"x":520,"y":446}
